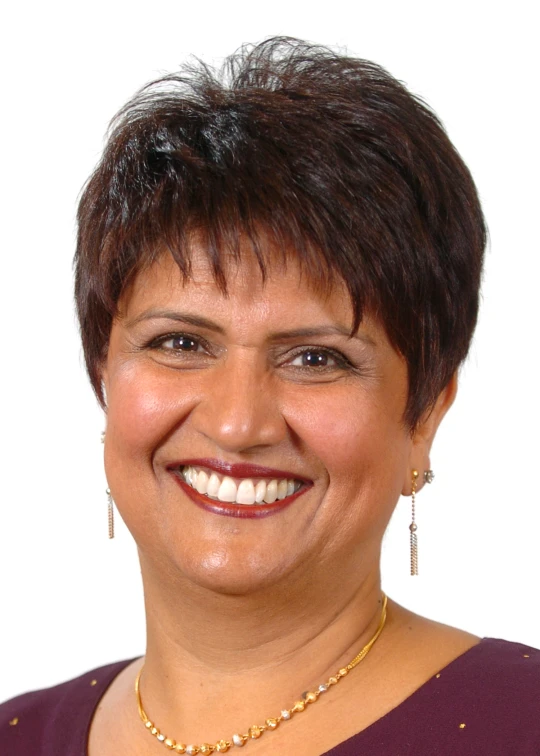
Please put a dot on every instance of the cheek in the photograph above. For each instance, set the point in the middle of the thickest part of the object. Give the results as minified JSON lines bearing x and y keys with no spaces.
{"x":144,"y":407}
{"x":363,"y":446}
{"x":350,"y":429}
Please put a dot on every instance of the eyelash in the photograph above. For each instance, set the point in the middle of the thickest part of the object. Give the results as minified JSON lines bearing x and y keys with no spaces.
{"x":158,"y":343}
{"x":339,"y":358}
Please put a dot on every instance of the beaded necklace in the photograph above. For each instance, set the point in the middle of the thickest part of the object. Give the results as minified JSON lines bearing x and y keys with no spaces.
{"x":272,"y":723}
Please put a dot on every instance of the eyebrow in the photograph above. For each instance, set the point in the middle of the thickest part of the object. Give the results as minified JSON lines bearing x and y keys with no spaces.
{"x":200,"y":322}
{"x":179,"y":317}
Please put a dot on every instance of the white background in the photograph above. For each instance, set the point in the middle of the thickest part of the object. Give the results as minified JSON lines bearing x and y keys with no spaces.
{"x":70,"y":599}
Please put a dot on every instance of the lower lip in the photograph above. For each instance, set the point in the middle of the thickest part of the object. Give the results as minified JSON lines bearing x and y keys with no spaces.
{"x":227,"y":509}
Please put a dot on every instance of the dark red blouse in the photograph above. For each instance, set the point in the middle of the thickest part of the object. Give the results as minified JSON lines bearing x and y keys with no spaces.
{"x":484,"y":703}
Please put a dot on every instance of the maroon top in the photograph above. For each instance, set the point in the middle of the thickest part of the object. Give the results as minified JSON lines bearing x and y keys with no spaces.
{"x":484,"y":703}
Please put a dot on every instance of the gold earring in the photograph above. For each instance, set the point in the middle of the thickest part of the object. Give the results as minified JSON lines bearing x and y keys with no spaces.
{"x":110,"y":507}
{"x":413,"y":527}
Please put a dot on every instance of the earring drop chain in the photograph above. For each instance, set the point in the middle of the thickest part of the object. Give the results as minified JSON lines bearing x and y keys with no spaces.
{"x":413,"y":526}
{"x":110,"y":510}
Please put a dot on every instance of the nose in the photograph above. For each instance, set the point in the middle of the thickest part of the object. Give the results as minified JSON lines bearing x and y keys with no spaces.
{"x":239,"y":410}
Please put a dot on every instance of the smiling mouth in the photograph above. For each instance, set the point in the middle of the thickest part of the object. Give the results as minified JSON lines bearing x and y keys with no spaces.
{"x":244,"y":491}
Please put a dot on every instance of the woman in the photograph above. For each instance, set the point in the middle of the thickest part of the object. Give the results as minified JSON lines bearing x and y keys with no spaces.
{"x":277,"y":281}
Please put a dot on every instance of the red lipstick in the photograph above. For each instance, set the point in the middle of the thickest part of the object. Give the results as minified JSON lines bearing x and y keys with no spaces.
{"x":228,"y":509}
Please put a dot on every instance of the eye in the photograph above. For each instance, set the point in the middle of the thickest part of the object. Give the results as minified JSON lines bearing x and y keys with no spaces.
{"x":316,"y":358}
{"x":177,"y":343}
{"x":180,"y":343}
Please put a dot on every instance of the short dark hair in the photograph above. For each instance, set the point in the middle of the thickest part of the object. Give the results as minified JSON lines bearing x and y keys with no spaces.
{"x":297,"y":148}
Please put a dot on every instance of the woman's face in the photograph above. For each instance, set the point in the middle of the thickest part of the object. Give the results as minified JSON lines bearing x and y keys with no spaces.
{"x":265,"y":376}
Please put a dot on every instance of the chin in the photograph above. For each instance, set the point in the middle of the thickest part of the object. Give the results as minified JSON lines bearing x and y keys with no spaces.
{"x":230,"y":573}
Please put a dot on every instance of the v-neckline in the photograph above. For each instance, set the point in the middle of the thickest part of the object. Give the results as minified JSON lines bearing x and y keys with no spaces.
{"x":380,"y":723}
{"x":412,"y":699}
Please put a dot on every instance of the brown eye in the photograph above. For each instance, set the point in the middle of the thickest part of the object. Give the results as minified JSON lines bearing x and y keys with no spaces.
{"x":185,"y":344}
{"x":180,"y":343}
{"x":314,"y":358}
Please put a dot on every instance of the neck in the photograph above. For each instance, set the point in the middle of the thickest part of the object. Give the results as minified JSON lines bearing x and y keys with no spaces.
{"x":256,"y":652}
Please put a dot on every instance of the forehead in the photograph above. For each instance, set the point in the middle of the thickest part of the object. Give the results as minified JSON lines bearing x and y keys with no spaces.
{"x":284,"y":290}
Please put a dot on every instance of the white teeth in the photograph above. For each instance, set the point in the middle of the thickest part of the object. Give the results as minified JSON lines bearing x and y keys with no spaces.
{"x":227,"y":490}
{"x":213,"y":485}
{"x":271,"y":492}
{"x":260,"y":491}
{"x":202,"y":482}
{"x":246,"y":493}
{"x":282,"y":489}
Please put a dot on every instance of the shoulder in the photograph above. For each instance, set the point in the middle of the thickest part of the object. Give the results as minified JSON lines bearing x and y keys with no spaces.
{"x":55,"y":721}
{"x":489,"y":697}
{"x":485,"y":701}
{"x":496,"y":664}
{"x":447,"y":653}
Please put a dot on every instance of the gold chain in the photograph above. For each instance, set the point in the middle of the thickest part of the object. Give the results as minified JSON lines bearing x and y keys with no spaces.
{"x":255,"y":732}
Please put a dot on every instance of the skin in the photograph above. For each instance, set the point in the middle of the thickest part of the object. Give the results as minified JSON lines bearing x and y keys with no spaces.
{"x":244,"y":614}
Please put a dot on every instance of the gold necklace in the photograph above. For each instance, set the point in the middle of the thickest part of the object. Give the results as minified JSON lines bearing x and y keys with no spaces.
{"x":255,"y":732}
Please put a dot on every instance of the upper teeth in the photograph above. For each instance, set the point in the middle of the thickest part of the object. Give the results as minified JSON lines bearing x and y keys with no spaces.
{"x":244,"y":491}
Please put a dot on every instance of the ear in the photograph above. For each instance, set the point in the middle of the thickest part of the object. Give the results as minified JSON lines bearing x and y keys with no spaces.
{"x":424,"y":433}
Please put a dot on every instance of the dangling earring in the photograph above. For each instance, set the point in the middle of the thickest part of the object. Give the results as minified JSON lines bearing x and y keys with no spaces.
{"x":110,"y":503}
{"x":110,"y":507}
{"x":413,"y":527}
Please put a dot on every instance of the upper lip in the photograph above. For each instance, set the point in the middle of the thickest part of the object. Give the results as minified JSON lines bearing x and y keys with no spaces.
{"x":238,"y":469}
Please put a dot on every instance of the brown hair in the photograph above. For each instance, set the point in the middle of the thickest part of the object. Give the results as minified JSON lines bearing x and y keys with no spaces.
{"x":295,"y":147}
